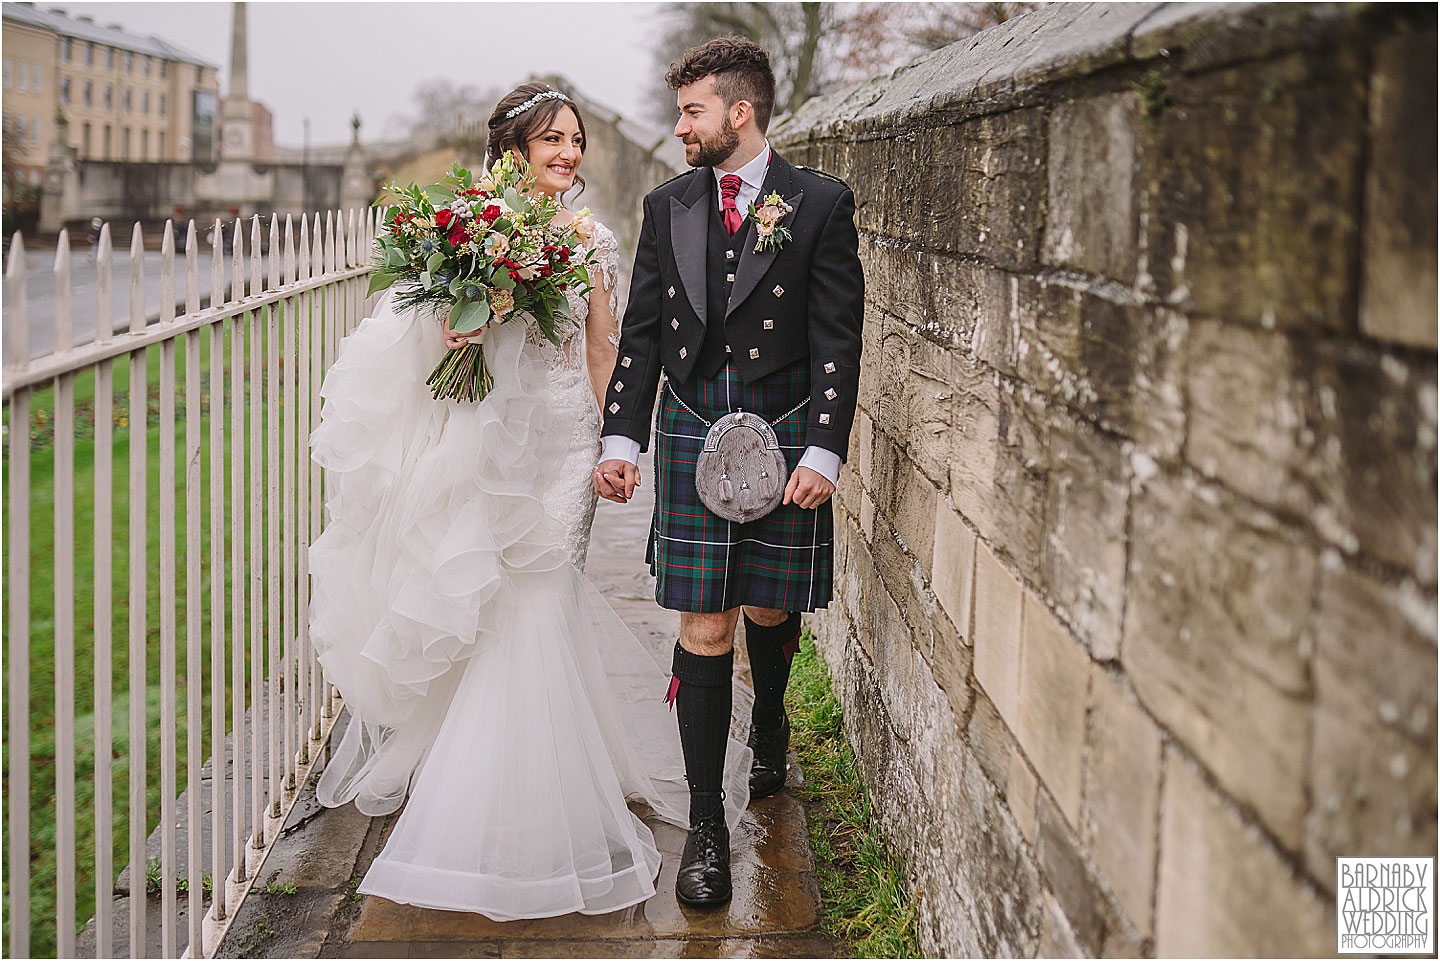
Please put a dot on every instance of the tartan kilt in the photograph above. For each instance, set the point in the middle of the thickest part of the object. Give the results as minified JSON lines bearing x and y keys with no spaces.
{"x":703,"y":563}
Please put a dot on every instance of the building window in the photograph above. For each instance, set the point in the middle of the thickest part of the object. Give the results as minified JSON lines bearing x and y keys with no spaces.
{"x":65,"y":48}
{"x":22,"y":76}
{"x":127,"y":100}
{"x":8,"y":65}
{"x":125,"y":144}
{"x":89,"y":54}
{"x":147,"y":66}
{"x":164,"y":69}
{"x":85,"y":141}
{"x":161,"y":108}
{"x":109,"y":98}
{"x":129,"y":62}
{"x":109,"y":58}
{"x":35,"y":78}
{"x":34,"y":129}
{"x":64,"y":89}
{"x":160,"y":145}
{"x":144,"y":145}
{"x":145,"y":102}
{"x":85,"y":93}
{"x":105,"y":142}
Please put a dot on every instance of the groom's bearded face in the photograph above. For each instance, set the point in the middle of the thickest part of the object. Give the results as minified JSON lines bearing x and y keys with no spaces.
{"x":713,"y":149}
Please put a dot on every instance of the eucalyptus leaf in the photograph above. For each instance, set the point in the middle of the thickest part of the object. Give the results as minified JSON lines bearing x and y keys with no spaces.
{"x":425,"y":281}
{"x":439,"y":195}
{"x":503,"y":280}
{"x":395,"y":257}
{"x":380,"y":280}
{"x":473,"y":317}
{"x":436,"y":259}
{"x":512,"y":197}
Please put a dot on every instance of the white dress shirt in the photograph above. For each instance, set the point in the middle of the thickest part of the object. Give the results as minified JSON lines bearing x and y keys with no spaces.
{"x":752,"y":178}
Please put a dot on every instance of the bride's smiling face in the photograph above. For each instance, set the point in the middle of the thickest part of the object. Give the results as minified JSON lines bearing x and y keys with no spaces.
{"x":555,"y":153}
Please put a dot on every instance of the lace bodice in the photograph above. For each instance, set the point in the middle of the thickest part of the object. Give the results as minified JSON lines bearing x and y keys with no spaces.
{"x":569,"y":496}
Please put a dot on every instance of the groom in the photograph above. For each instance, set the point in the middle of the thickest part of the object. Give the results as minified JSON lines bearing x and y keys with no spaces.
{"x":735,"y":323}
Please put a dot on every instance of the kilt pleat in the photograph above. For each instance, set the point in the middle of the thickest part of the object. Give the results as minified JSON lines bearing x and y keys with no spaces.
{"x":704,"y":563}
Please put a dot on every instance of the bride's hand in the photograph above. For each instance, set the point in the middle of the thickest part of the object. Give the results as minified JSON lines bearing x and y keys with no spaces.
{"x":454,"y":341}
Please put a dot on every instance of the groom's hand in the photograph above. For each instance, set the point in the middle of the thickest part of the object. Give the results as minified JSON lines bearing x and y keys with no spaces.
{"x":808,"y":489}
{"x":616,"y":480}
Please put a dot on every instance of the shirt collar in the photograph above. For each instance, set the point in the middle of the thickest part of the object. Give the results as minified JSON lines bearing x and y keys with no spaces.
{"x":753,"y":173}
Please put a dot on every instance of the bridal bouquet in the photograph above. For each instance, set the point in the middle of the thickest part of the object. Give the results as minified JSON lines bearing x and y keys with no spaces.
{"x":488,"y":253}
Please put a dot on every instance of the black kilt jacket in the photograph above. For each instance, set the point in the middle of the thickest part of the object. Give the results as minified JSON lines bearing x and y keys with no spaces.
{"x":803,"y":302}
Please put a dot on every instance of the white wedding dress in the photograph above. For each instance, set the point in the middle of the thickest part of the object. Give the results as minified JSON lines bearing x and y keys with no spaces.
{"x":486,"y":677}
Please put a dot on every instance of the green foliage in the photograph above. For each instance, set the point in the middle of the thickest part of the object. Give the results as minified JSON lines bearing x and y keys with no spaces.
{"x":1154,"y":90}
{"x":861,"y":880}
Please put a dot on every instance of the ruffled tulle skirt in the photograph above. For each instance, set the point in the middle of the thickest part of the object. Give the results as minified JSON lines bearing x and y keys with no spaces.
{"x":488,"y":680}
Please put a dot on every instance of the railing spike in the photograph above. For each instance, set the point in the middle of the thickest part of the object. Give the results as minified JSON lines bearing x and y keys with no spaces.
{"x":237,"y":264}
{"x":16,"y":319}
{"x":137,"y":279}
{"x":289,"y":251}
{"x":104,"y":287}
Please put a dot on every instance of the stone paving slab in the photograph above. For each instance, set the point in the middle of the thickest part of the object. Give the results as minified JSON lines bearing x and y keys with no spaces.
{"x":775,"y":911}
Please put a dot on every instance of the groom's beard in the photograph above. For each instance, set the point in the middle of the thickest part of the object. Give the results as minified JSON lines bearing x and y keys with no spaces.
{"x":713,"y":153}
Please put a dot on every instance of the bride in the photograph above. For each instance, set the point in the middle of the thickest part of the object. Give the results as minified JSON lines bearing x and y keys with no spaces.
{"x":487,"y":679}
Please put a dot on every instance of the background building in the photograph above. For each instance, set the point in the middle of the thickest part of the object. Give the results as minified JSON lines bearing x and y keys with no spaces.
{"x":126,"y":97}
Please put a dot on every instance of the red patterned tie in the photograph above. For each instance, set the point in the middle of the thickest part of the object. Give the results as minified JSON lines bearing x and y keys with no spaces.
{"x":729,"y":188}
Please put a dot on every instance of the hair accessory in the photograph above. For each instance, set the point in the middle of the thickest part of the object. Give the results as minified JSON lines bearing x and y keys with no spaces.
{"x":514,"y":112}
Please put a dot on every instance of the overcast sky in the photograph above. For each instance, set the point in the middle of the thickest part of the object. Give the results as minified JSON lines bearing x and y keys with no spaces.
{"x":325,"y":60}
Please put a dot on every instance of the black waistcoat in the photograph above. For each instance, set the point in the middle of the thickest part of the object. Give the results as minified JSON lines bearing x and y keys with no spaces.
{"x":720,"y":278}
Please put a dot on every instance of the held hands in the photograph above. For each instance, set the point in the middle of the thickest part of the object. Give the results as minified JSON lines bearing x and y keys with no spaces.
{"x":616,"y":480}
{"x":808,"y":489}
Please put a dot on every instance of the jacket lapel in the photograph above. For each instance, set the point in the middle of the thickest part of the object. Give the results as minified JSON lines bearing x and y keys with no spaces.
{"x":754,"y":265}
{"x":689,"y":229}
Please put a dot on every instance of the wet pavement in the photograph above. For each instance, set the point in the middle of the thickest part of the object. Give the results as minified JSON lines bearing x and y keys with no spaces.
{"x":305,"y":905}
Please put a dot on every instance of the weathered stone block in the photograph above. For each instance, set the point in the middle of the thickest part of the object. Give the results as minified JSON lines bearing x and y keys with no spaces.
{"x":914,"y":519}
{"x":1020,"y":790}
{"x":951,"y":661}
{"x":998,"y":595}
{"x":1132,"y":361}
{"x":1223,"y":887}
{"x":1122,"y":797}
{"x":975,"y":440}
{"x":1250,"y":181}
{"x":862,"y":441}
{"x":993,"y":743}
{"x":1343,"y":435}
{"x":1218,"y":603}
{"x":1054,"y":683}
{"x":1376,"y":469}
{"x":983,"y":188}
{"x":1372,"y":761}
{"x":1398,"y":289}
{"x":929,"y":398}
{"x":1064,"y":867}
{"x":1091,"y":222}
{"x":1017,"y":521}
{"x":953,"y":567}
{"x":1084,"y":560}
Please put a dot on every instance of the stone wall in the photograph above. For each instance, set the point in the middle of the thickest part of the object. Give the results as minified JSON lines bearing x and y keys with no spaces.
{"x":1136,"y":624}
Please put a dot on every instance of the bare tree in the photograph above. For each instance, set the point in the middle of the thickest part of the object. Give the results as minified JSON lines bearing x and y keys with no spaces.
{"x":817,"y":47}
{"x":440,"y":108}
{"x":794,"y":33}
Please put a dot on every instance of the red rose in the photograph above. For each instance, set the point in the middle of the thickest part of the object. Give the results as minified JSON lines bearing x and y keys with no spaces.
{"x":491,"y":213}
{"x":458,"y":235}
{"x":443,"y":217}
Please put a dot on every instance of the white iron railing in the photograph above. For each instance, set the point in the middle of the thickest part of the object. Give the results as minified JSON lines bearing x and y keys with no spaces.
{"x":279,"y":333}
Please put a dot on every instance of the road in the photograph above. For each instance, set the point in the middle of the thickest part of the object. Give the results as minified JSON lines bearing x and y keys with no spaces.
{"x":40,"y":293}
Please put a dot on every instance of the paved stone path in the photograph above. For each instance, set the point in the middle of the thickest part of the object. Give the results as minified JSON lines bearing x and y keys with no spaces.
{"x":774,"y":913}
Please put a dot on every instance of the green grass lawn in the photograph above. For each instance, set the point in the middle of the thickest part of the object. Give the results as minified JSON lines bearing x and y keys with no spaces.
{"x":42,"y":622}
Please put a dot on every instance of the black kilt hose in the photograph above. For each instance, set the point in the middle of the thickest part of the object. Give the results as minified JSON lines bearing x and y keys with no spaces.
{"x":704,"y":563}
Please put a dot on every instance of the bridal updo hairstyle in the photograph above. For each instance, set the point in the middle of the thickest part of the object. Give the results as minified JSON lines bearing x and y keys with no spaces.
{"x":518,"y":131}
{"x":742,"y":72}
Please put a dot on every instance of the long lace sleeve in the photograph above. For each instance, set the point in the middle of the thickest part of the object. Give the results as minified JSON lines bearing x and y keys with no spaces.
{"x":607,"y":247}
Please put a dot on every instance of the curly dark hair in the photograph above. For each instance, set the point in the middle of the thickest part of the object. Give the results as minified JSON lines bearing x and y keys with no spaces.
{"x":517,"y":132}
{"x":742,"y":72}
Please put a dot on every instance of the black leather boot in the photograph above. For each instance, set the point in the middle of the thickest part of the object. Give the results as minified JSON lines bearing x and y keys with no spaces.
{"x":767,"y":773}
{"x":704,"y":877}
